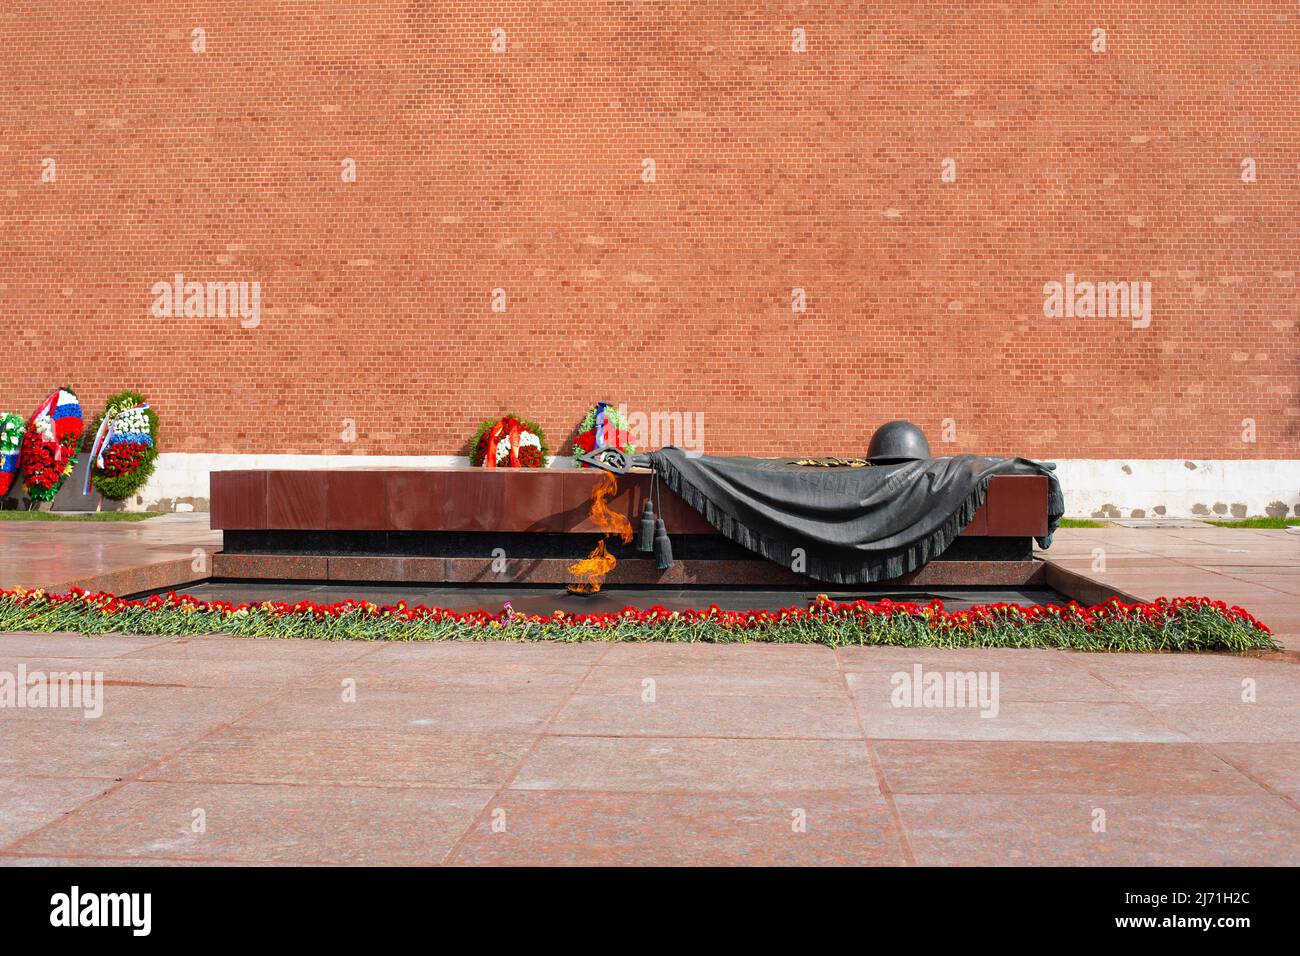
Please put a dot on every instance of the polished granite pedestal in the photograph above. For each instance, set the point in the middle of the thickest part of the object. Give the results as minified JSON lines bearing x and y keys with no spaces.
{"x":472,"y":525}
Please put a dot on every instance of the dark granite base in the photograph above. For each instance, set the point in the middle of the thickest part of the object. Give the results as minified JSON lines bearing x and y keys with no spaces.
{"x":683,"y":573}
{"x":529,"y":545}
{"x":543,"y":558}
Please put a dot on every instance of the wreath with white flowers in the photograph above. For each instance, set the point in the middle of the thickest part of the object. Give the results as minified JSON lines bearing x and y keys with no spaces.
{"x":12,"y":429}
{"x":125,"y":446}
{"x":604,"y":426}
{"x":509,"y":442}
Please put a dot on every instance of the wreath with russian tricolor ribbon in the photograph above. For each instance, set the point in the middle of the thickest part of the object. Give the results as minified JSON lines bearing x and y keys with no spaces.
{"x":50,"y":445}
{"x":125,"y":447}
{"x":603,"y":427}
{"x":12,"y":429}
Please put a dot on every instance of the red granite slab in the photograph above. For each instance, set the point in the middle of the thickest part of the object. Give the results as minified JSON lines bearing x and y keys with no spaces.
{"x":281,"y":567}
{"x":1016,"y":506}
{"x":1082,"y":588}
{"x":546,"y":500}
{"x":144,"y":577}
{"x":383,"y":568}
{"x":629,"y":500}
{"x":356,"y":501}
{"x":979,"y":525}
{"x":295,"y":500}
{"x":413,"y":500}
{"x":238,"y":500}
{"x":537,"y":502}
{"x":475,"y":501}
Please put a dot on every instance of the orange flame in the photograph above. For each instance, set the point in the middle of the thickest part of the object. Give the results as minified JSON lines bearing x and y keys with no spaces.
{"x":595,"y":566}
{"x":608,"y":521}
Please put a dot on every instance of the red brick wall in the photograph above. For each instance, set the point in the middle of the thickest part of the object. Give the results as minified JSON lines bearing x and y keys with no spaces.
{"x":775,"y":170}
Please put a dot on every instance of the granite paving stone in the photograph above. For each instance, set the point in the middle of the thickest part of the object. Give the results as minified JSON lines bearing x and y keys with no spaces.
{"x":1050,"y":830}
{"x":348,"y":757}
{"x":590,"y":828}
{"x":279,"y":824}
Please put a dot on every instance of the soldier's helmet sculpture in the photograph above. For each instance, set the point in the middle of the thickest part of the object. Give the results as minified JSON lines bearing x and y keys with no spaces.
{"x":897,"y":441}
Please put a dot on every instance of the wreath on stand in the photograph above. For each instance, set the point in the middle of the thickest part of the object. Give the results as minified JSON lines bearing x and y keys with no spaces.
{"x":509,"y":442}
{"x":603,"y":427}
{"x":50,"y":445}
{"x":124,"y":446}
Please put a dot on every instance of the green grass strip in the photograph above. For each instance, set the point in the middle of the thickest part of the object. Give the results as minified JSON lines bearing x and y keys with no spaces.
{"x":1273,"y":523}
{"x":78,"y":515}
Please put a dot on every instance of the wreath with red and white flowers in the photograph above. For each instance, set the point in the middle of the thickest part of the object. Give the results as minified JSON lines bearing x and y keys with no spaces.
{"x":509,"y":442}
{"x":122,"y":443}
{"x":50,"y":445}
{"x":603,"y":427}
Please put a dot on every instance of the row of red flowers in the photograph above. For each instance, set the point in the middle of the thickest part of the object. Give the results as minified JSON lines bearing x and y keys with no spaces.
{"x":1153,"y":613}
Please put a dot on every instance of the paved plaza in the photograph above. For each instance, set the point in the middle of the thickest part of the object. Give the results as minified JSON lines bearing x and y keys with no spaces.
{"x":220,"y":750}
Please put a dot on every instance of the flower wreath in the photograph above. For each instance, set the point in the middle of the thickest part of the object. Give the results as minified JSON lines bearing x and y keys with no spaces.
{"x":50,"y":445}
{"x":124,"y":447}
{"x":12,"y":428}
{"x":509,"y":442}
{"x":603,"y":427}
